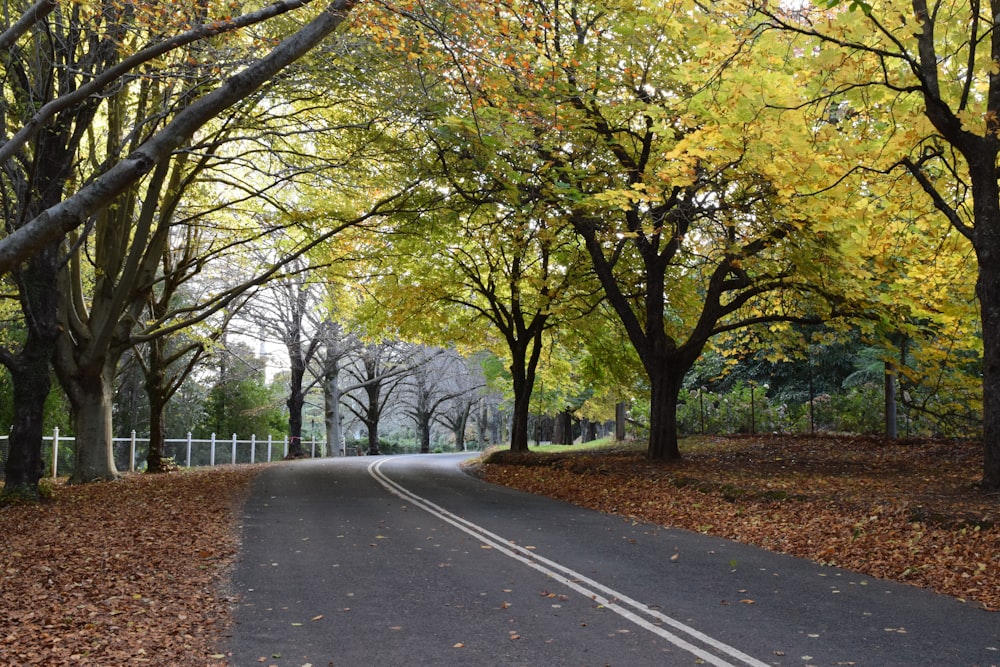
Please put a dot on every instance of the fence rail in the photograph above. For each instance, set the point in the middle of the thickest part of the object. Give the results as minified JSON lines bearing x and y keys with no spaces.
{"x":189,"y":451}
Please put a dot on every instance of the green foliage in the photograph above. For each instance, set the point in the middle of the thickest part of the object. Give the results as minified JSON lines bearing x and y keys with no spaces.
{"x":240,"y":401}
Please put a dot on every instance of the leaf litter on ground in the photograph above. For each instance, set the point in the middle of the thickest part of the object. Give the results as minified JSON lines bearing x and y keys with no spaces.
{"x":128,"y":572}
{"x":904,"y":510}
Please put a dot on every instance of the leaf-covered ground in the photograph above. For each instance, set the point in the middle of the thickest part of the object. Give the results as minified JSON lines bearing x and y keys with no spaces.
{"x":908,"y":511}
{"x":129,"y":572}
{"x":135,"y":571}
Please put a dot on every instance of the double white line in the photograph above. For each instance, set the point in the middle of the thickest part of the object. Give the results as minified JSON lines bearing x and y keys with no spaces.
{"x":713,"y":652}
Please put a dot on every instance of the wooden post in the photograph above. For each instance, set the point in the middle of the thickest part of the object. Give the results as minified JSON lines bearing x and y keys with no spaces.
{"x":188,"y":463}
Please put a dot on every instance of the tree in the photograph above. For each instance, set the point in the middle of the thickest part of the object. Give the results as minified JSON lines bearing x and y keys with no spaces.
{"x":378,"y":371}
{"x":892,"y":72}
{"x":465,"y":385}
{"x":240,"y":401}
{"x":433,"y":382}
{"x":666,"y":165}
{"x":338,"y":345}
{"x":53,"y":222}
{"x":39,"y":155}
{"x":285,"y":308}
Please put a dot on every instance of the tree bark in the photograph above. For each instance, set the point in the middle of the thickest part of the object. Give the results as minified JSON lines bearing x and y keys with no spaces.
{"x":93,"y":456}
{"x":31,"y":371}
{"x":296,"y":400}
{"x":31,"y":380}
{"x":564,"y":428}
{"x":157,"y":433}
{"x":620,"y":409}
{"x":458,"y":429}
{"x":424,"y":431}
{"x":988,"y":290}
{"x":522,"y":385}
{"x":891,"y":425}
{"x":373,"y":446}
{"x":665,"y":389}
{"x":331,"y":411}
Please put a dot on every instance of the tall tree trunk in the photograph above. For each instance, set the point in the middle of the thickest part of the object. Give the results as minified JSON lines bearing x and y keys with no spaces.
{"x":459,"y":428}
{"x":157,"y":432}
{"x":373,"y":446}
{"x":519,"y":419}
{"x":563,"y":429}
{"x":31,"y":380}
{"x":93,"y":456}
{"x":30,"y":371}
{"x":524,"y":361}
{"x":620,"y":409}
{"x":988,"y":290}
{"x":331,"y":413}
{"x":891,"y":425}
{"x":665,"y":389}
{"x":424,"y":432}
{"x":295,"y":402}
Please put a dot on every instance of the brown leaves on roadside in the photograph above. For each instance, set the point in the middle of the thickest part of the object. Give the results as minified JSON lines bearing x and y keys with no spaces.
{"x":903,"y":510}
{"x":121,"y":573}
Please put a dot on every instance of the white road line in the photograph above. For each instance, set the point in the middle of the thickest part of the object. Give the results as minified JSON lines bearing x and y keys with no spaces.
{"x":607,"y":597}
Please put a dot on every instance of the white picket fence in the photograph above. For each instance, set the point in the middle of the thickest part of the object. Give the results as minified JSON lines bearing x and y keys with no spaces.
{"x":187,"y":446}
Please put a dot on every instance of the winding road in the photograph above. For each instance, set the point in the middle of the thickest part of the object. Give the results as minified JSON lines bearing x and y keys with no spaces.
{"x":409,"y":561}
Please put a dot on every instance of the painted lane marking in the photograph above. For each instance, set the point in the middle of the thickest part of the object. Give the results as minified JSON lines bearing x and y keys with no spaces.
{"x":605,"y":596}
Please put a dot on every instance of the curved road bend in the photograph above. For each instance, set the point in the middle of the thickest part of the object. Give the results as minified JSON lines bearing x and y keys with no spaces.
{"x":409,"y":561}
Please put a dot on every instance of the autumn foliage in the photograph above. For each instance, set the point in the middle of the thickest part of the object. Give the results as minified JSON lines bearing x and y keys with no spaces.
{"x":907,"y":511}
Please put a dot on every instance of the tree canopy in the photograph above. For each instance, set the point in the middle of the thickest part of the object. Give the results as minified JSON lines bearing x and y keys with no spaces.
{"x":596,"y":191}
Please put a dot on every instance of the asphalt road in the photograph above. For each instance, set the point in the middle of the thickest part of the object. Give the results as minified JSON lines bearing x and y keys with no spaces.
{"x":409,"y":561}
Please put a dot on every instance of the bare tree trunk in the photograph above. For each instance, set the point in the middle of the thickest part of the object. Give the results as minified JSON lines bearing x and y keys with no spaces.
{"x":30,"y":377}
{"x":988,"y":290}
{"x":331,"y":412}
{"x":458,"y":430}
{"x":891,"y":429}
{"x":620,"y":409}
{"x":93,"y":457}
{"x":663,"y":444}
{"x":30,"y":371}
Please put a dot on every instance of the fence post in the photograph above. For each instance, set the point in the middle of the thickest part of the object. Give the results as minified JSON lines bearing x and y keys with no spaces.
{"x":211,"y":456}
{"x":268,"y":447}
{"x":286,"y":446}
{"x":55,"y":452}
{"x":131,"y":452}
{"x":234,"y":449}
{"x":189,"y":450}
{"x":313,"y":447}
{"x":253,"y":447}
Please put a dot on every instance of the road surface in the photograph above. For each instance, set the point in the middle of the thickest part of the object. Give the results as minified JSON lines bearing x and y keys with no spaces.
{"x":409,"y":561}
